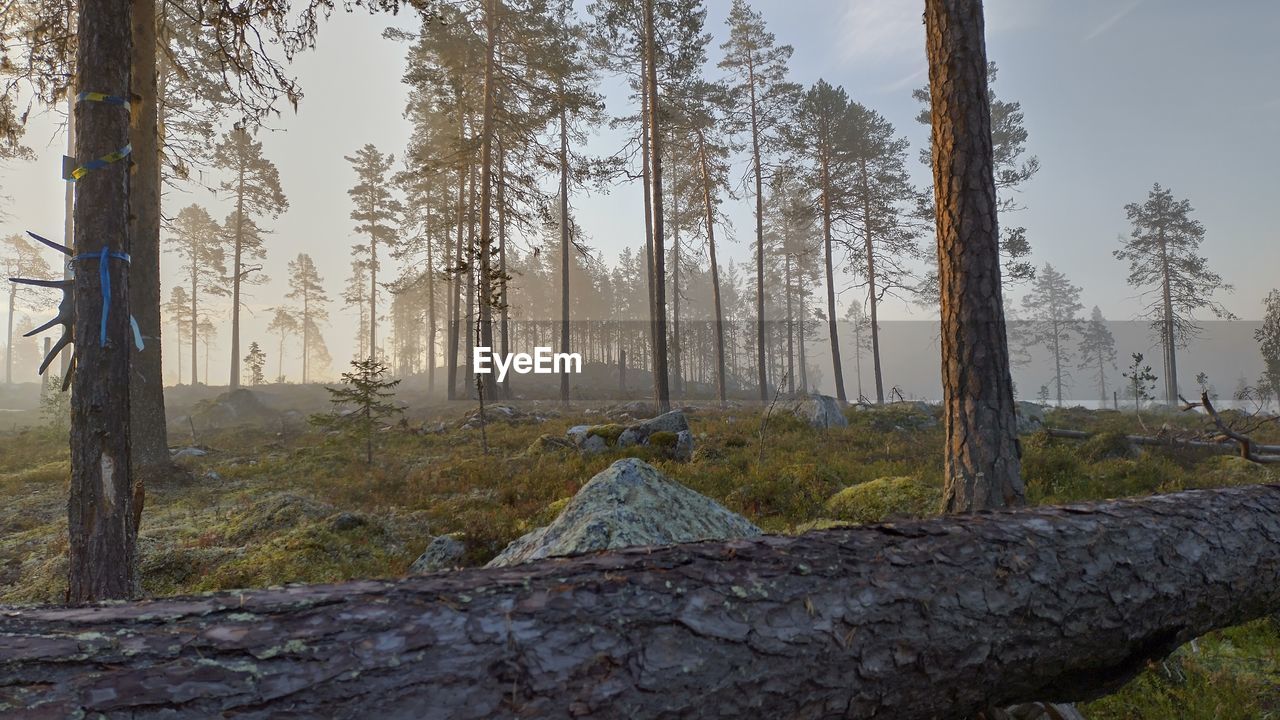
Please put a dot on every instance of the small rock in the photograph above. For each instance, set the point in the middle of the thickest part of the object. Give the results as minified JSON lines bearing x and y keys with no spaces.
{"x":189,"y":452}
{"x":821,"y":412}
{"x":443,"y":553}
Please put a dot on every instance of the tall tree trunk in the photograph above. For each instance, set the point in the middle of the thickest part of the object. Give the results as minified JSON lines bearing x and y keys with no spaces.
{"x":804,"y":362}
{"x":455,"y":281}
{"x":983,"y":456}
{"x":195,"y":323}
{"x":659,"y":318}
{"x":502,"y":261}
{"x":678,"y":375}
{"x":564,"y":244}
{"x":647,"y":178}
{"x":431,"y":317}
{"x":873,"y":300}
{"x":237,"y":277}
{"x":828,"y":265}
{"x":840,"y":623}
{"x":472,"y":261}
{"x":150,"y":441}
{"x":791,"y":335}
{"x":102,"y":525}
{"x":8,"y":342}
{"x":490,"y":381}
{"x":758,"y":172}
{"x":709,"y":212}
{"x":1170,"y":340}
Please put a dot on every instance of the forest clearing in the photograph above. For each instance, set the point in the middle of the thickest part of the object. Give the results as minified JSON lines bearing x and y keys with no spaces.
{"x":677,"y":372}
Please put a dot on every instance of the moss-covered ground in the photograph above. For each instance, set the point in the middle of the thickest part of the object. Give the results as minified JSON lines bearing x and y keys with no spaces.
{"x":267,"y":508}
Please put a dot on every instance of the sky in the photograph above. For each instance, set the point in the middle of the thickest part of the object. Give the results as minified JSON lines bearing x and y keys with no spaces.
{"x":1117,"y":95}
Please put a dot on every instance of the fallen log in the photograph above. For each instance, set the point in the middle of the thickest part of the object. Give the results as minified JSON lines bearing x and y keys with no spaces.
{"x":1232,"y":447}
{"x":928,"y":619}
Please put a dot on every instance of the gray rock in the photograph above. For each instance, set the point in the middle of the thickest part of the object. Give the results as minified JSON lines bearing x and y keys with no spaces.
{"x":630,"y":503}
{"x":821,"y":412}
{"x":443,"y":553}
{"x":189,"y":452}
{"x":1030,"y":417}
{"x":669,"y":432}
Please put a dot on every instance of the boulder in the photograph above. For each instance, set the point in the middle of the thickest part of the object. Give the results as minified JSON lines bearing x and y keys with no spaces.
{"x":442,"y":553}
{"x":821,"y":412}
{"x":231,"y":409}
{"x":1030,"y":417}
{"x":630,"y":503}
{"x":668,"y":432}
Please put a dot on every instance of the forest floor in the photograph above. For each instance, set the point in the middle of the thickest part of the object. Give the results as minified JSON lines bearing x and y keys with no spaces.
{"x":267,"y":508}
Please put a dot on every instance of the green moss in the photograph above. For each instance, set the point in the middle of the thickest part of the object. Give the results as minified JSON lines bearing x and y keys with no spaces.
{"x":883,"y":499}
{"x":664,"y":439}
{"x":609,"y":433}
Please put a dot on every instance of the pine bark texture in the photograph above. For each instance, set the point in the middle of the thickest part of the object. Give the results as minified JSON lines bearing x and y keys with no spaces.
{"x":150,"y":435}
{"x":983,"y":465}
{"x":102,"y":526}
{"x":926,"y":619}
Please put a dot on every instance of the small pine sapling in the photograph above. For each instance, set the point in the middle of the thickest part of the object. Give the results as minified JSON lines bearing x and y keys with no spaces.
{"x":362,"y":404}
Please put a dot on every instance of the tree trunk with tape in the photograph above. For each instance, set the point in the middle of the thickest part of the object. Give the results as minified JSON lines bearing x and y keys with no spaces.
{"x":102,"y":527}
{"x":926,"y":619}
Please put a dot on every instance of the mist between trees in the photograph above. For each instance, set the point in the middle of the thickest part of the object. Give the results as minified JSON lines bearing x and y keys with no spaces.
{"x":1225,"y":352}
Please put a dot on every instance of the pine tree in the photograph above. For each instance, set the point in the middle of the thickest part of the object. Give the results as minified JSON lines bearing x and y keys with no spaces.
{"x":1051,"y":320}
{"x":819,"y":135}
{"x":1097,"y":352}
{"x":759,"y":67}
{"x":377,"y":212}
{"x":196,"y":238}
{"x":1141,"y":381}
{"x":1173,"y":278}
{"x":362,"y":404}
{"x":356,"y":295}
{"x":255,"y":187}
{"x":256,"y":360}
{"x":885,"y":215}
{"x":178,"y":308}
{"x":306,"y":288}
{"x":284,"y":322}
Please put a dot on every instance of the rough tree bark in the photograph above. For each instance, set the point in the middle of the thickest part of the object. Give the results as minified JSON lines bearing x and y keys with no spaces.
{"x":150,"y":440}
{"x":102,"y":526}
{"x":983,"y":465}
{"x":859,"y":623}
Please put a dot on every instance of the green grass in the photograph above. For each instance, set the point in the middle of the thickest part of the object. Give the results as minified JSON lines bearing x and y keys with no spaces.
{"x":266,"y":509}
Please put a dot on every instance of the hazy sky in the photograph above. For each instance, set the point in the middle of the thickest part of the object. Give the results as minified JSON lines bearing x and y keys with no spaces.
{"x":1118,"y":94}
